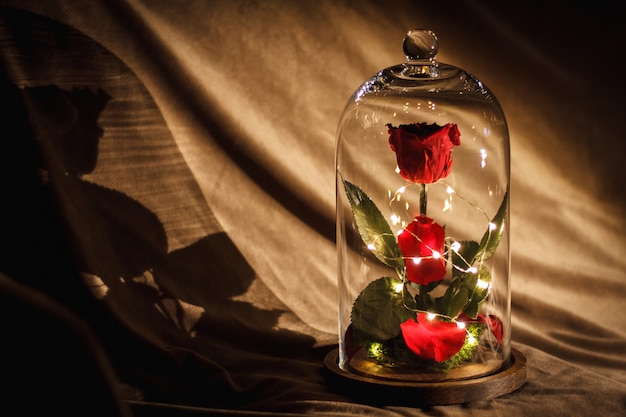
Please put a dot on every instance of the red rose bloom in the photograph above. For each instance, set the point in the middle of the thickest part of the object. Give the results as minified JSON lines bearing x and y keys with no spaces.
{"x":432,"y":339}
{"x":421,"y":244}
{"x":423,"y":151}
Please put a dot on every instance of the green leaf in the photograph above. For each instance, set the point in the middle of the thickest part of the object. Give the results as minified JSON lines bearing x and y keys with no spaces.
{"x":373,"y":228}
{"x":379,"y":310}
{"x":457,"y":302}
{"x":464,"y":258}
{"x":491,"y":239}
{"x":479,"y":293}
{"x":441,"y":303}
{"x":464,"y":295}
{"x":472,"y":308}
{"x":469,"y":281}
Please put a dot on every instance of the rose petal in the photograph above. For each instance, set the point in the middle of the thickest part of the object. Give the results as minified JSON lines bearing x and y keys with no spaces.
{"x":417,"y":242}
{"x":432,"y":339}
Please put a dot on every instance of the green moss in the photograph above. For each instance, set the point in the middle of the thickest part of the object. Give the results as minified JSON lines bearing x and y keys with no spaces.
{"x":394,"y":352}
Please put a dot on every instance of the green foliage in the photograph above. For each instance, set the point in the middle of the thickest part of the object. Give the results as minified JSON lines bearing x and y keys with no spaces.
{"x":379,"y":310}
{"x":373,"y":228}
{"x":479,"y":293}
{"x":491,"y":239}
{"x":464,"y":293}
{"x":457,"y":301}
{"x":464,"y":257}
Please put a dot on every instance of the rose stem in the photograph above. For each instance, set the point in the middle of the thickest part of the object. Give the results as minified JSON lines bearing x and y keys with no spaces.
{"x":422,"y":288}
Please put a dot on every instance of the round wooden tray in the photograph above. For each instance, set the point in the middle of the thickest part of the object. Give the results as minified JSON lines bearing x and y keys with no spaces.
{"x":392,"y":392}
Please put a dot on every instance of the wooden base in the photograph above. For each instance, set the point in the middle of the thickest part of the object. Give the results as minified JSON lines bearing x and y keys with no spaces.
{"x":378,"y":391}
{"x":362,"y":365}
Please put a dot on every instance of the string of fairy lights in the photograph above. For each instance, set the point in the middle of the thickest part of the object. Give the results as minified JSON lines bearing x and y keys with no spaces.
{"x":451,"y":243}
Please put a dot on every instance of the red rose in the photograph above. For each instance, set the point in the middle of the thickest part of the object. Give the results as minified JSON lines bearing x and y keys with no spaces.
{"x":423,"y":151}
{"x":432,"y":338}
{"x":421,"y":244}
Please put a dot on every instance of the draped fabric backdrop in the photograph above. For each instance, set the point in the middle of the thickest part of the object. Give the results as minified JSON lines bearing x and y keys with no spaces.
{"x":168,"y":198}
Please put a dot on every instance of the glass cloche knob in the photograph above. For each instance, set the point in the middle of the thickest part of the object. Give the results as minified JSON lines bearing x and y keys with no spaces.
{"x":420,"y":45}
{"x":420,"y":48}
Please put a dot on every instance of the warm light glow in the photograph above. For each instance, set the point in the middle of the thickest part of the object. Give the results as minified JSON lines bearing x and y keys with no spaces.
{"x":395,"y":219}
{"x":398,"y":287}
{"x":376,"y":349}
{"x":402,"y":189}
{"x":416,"y":261}
{"x":371,"y":246}
{"x":455,"y":246}
{"x":436,"y":254}
{"x":482,"y":284}
{"x":450,"y":190}
{"x":492,"y":226}
{"x":472,"y":270}
{"x":471,"y":340}
{"x":431,"y":316}
{"x":483,"y":156}
{"x":460,"y":324}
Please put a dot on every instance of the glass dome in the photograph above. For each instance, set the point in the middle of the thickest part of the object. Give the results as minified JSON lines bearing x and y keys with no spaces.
{"x":422,"y":163}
